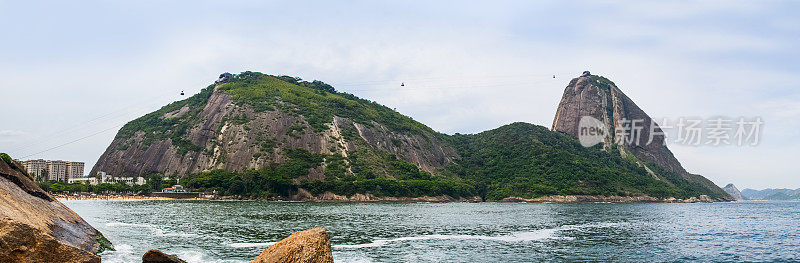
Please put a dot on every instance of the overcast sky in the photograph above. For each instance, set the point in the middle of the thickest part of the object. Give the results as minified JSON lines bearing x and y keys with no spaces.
{"x":73,"y":72}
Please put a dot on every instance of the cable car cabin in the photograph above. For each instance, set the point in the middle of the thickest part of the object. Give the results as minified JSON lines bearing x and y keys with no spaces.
{"x":586,"y":74}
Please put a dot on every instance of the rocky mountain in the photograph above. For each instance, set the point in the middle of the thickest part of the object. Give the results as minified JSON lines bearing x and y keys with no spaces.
{"x":37,"y":228}
{"x":247,"y":121}
{"x":626,"y":127}
{"x":734,"y":192}
{"x":254,"y":134}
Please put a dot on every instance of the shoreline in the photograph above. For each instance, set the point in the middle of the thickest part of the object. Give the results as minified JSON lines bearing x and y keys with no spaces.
{"x":111,"y":198}
{"x":328,"y":197}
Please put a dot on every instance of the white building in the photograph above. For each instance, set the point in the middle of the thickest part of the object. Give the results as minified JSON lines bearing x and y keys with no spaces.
{"x":103,"y":177}
{"x":35,"y":168}
{"x":74,"y":169}
{"x":84,"y":180}
{"x":174,"y":189}
{"x":56,"y":170}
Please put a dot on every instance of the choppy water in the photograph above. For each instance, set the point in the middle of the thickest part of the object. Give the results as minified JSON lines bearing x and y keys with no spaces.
{"x":237,"y":231}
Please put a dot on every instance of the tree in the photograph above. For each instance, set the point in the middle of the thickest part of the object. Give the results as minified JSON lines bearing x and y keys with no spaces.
{"x":43,"y":175}
{"x":155,"y":181}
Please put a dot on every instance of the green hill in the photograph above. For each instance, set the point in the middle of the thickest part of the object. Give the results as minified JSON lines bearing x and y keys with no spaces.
{"x":260,"y":135}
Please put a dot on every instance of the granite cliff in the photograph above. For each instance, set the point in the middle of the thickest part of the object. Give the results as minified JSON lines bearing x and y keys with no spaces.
{"x":627,"y":128}
{"x":34,"y":227}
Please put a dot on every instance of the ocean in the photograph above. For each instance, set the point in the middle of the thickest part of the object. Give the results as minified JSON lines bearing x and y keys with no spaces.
{"x":237,"y":231}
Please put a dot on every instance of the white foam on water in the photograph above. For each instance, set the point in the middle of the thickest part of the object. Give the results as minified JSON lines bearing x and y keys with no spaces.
{"x":122,"y":254}
{"x":536,"y":235}
{"x":246,"y":245}
{"x":157,"y":231}
{"x":116,"y":224}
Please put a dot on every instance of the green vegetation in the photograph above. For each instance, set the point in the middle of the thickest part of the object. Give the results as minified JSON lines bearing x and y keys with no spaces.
{"x":316,"y":101}
{"x":397,"y":178}
{"x":61,"y":187}
{"x":7,"y":159}
{"x":527,"y":160}
{"x":105,"y":244}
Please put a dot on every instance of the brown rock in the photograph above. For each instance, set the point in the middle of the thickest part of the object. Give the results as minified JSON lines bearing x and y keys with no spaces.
{"x":156,"y":256}
{"x":34,"y":227}
{"x":312,"y":246}
{"x":22,"y":243}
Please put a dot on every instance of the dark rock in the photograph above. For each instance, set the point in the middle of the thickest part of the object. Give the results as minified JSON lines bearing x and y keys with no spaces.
{"x":156,"y":256}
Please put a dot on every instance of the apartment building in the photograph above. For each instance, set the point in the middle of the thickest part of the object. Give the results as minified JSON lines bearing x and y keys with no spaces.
{"x":35,"y":168}
{"x":74,"y":170}
{"x":56,"y":170}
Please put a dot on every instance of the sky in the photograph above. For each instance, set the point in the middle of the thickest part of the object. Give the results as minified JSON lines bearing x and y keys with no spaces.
{"x":71,"y":74}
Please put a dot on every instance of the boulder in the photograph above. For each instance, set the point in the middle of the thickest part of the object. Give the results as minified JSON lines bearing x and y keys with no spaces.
{"x":156,"y":256}
{"x":35,"y":227}
{"x":312,"y":245}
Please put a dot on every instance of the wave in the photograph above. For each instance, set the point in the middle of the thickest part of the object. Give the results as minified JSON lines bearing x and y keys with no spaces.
{"x":246,"y":245}
{"x":157,"y":231}
{"x":122,"y":254}
{"x":536,"y":235}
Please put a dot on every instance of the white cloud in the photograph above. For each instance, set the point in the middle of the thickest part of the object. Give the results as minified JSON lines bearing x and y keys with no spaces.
{"x":467,"y":67}
{"x":8,"y":133}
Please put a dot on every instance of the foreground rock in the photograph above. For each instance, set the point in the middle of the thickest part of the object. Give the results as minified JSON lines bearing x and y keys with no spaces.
{"x":312,"y":245}
{"x":34,"y":227}
{"x":156,"y":256}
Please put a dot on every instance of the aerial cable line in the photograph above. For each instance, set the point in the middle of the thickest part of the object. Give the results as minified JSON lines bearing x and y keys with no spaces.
{"x":371,"y":82}
{"x":71,"y":142}
{"x":39,"y":140}
{"x":457,"y":86}
{"x":124,"y":110}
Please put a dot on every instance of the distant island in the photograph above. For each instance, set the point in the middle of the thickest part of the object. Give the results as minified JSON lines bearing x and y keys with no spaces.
{"x":253,"y":135}
{"x":771,"y":194}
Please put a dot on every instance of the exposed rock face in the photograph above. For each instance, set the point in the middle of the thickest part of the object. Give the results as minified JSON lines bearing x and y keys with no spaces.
{"x":303,"y":195}
{"x":34,"y":227}
{"x":313,"y":246}
{"x":156,"y":256}
{"x":598,"y":97}
{"x":232,"y":145}
{"x":734,"y":192}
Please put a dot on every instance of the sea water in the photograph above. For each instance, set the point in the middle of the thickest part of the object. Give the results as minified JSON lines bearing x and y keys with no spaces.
{"x":237,"y":231}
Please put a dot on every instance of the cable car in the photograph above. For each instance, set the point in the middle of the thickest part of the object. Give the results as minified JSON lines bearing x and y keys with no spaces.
{"x":181,"y":93}
{"x":402,"y":84}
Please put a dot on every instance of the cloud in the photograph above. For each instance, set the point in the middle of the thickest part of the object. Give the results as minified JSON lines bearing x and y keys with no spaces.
{"x":9,"y":133}
{"x":468,"y":67}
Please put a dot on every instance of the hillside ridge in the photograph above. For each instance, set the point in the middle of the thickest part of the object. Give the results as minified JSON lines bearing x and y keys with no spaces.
{"x":265,"y":135}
